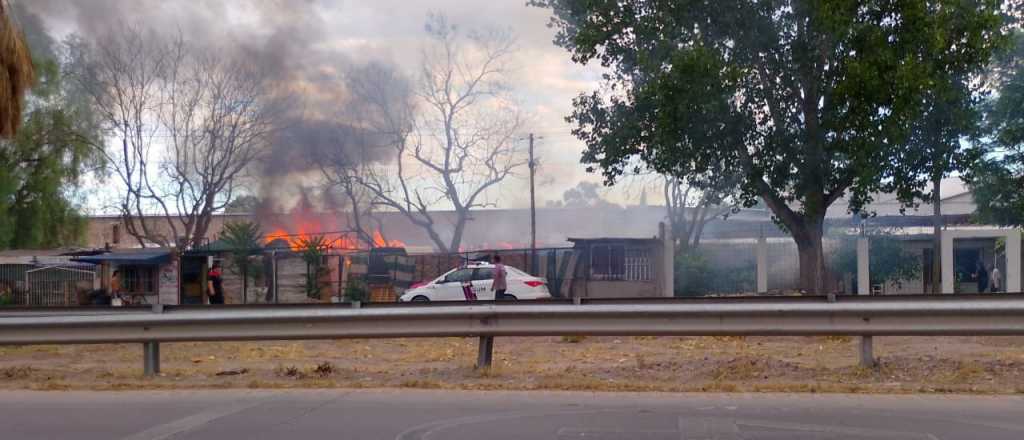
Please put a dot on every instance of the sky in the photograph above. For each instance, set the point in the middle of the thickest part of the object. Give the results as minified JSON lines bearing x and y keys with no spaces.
{"x":334,"y":32}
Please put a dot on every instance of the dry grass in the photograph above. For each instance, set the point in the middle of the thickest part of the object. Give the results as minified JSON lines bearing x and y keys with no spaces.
{"x":16,"y":372}
{"x":324,"y":370}
{"x":939,"y":365}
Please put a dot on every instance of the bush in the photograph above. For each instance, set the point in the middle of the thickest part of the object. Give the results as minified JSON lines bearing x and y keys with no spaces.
{"x":695,"y":275}
{"x":888,"y":261}
{"x":357,"y":291}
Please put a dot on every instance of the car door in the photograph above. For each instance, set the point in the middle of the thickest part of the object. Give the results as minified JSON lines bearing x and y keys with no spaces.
{"x":450,"y":289}
{"x":483,"y":277}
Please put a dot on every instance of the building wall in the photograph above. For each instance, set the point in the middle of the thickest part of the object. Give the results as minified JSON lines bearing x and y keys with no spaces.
{"x":100,"y":230}
{"x":582,"y":286}
{"x":735,"y":262}
{"x":619,"y":289}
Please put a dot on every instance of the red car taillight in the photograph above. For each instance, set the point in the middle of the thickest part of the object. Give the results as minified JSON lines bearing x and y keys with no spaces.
{"x":533,"y":283}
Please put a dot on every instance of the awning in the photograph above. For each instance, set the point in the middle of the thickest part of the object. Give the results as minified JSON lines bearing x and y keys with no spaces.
{"x":134,"y":256}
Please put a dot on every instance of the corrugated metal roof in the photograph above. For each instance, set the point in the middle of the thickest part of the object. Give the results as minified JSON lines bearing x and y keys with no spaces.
{"x":133,"y":256}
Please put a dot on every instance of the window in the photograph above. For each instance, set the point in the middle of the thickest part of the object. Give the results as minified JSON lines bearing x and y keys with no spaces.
{"x":607,"y":262}
{"x":638,"y":265}
{"x":138,"y":279}
{"x":617,"y":262}
{"x":483,"y":274}
{"x":459,"y":276}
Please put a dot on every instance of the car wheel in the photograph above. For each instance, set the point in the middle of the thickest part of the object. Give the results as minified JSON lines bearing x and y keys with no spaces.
{"x":420,"y":299}
{"x":507,"y":297}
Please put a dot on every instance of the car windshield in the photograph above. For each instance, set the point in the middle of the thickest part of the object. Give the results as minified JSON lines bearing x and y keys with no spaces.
{"x":458,"y":276}
{"x":484,"y":273}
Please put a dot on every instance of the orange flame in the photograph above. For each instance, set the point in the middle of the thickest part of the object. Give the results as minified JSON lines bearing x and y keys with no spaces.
{"x":379,"y":241}
{"x":305,"y":224}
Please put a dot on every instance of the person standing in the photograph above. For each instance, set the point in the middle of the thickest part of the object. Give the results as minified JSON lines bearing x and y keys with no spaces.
{"x":982,"y":273}
{"x":215,"y":284}
{"x":996,"y":279}
{"x":499,"y":283}
{"x":115,"y":289}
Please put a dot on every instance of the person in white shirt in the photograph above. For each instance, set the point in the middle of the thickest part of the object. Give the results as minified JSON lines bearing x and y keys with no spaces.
{"x":997,"y":282}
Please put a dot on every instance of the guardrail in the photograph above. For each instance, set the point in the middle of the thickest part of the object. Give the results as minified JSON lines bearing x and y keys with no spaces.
{"x":916,"y":315}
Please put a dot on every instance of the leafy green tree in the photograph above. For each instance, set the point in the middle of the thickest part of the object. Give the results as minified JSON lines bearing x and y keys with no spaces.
{"x":888,"y":263}
{"x":41,"y":165}
{"x":811,"y":100}
{"x":244,"y":239}
{"x":997,"y":189}
{"x":998,"y":183}
{"x":583,"y":195}
{"x":944,"y":140}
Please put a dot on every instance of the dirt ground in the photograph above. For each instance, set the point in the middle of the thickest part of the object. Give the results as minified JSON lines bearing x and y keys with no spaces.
{"x":801,"y":364}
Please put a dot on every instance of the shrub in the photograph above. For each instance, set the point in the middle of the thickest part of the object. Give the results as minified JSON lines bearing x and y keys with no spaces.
{"x":696,"y":275}
{"x":357,"y":291}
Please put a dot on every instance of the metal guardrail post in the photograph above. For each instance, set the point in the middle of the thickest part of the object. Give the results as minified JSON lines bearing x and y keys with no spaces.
{"x":150,"y":358}
{"x":867,"y":356}
{"x":486,"y":352}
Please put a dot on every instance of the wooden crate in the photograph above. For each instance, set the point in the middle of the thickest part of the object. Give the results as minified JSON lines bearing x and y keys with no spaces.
{"x":382,"y":294}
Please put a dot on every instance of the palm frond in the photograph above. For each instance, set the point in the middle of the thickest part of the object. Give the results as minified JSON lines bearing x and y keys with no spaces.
{"x":16,"y":73}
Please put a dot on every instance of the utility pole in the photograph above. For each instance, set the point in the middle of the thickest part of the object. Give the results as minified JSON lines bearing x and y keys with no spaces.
{"x":533,"y":212}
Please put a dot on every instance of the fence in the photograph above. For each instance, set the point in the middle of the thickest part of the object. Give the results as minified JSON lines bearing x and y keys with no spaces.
{"x":287,"y":278}
{"x":941,"y":315}
{"x":45,"y":285}
{"x":557,"y":265}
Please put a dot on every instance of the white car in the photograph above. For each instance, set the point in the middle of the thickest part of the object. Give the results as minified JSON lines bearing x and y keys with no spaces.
{"x":452,"y":286}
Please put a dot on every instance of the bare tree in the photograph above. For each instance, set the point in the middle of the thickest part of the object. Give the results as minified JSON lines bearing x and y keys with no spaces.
{"x":122,"y":74}
{"x":378,"y":115}
{"x":342,"y":168}
{"x":691,"y":203}
{"x":219,"y":119}
{"x":187,"y":121}
{"x":459,"y":141}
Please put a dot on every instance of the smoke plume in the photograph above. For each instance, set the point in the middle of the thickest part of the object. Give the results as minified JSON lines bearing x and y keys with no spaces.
{"x":286,"y":39}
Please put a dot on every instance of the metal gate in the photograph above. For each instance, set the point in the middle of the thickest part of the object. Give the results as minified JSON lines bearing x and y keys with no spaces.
{"x":56,"y":285}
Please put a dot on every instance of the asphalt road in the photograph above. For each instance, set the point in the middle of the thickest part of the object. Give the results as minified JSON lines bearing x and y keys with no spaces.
{"x":410,"y":415}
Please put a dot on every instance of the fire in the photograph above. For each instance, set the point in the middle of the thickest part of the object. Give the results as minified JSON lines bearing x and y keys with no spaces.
{"x":306,"y":224}
{"x":333,"y":240}
{"x":379,"y":241}
{"x":298,"y":241}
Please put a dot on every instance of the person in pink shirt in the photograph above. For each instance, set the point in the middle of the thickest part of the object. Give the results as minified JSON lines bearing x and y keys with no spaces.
{"x":499,"y":285}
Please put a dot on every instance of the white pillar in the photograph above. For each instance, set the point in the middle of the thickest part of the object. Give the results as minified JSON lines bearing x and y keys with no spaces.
{"x":867,"y":355}
{"x":762,"y":265}
{"x":669,"y":259}
{"x":863,"y":267}
{"x":1013,"y":265}
{"x":948,"y":276}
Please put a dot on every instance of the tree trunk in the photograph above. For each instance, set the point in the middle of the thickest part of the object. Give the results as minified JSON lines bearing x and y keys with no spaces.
{"x":936,"y":237}
{"x":245,"y":281}
{"x":460,"y":227}
{"x":812,"y":260}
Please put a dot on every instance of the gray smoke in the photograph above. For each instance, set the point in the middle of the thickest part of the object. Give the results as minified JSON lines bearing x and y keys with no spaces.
{"x":285,"y":38}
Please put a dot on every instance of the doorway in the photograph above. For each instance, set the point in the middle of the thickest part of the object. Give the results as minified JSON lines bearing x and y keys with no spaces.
{"x":193,"y":279}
